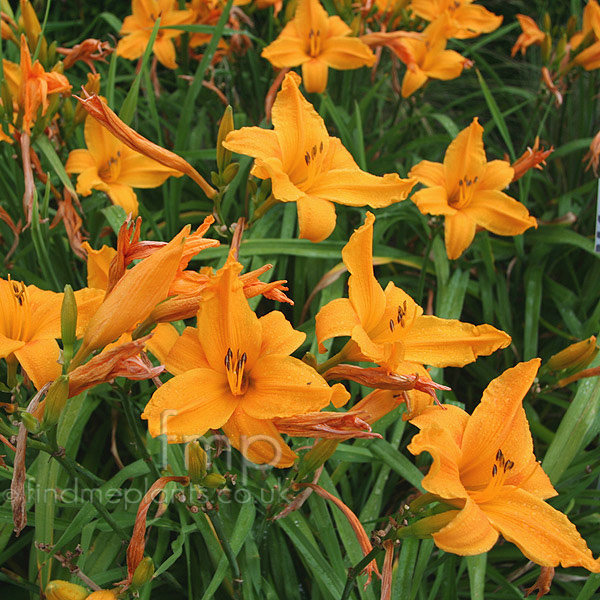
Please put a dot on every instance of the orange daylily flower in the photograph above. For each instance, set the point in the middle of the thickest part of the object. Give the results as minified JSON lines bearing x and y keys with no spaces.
{"x":30,"y":85}
{"x":465,"y":19}
{"x":138,"y":26}
{"x":531,"y":35}
{"x":466,"y":189}
{"x":593,"y":155}
{"x":309,"y":167}
{"x":484,"y":466}
{"x":389,"y":328}
{"x":30,"y":325}
{"x":234,"y":372}
{"x":99,"y":110}
{"x":317,"y":41}
{"x":426,"y":57}
{"x":591,"y":23}
{"x":133,"y":297}
{"x":108,"y":165}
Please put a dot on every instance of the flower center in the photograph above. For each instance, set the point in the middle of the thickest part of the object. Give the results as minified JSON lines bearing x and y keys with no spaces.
{"x":314,"y":43}
{"x":452,"y":8}
{"x":500,"y":468}
{"x":463,"y":196}
{"x":313,"y":159}
{"x":238,"y":384}
{"x":14,"y":304}
{"x":111,"y":170}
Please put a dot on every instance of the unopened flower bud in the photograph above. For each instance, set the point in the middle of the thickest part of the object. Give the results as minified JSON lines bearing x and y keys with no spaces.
{"x":103,"y":595}
{"x":574,"y":357}
{"x":31,"y":423}
{"x":214,"y":480}
{"x":561,"y":47}
{"x":56,"y":400}
{"x":63,"y":590}
{"x":571,"y":25}
{"x":68,"y":317}
{"x":143,"y":574}
{"x":231,"y":170}
{"x":196,"y":462}
{"x":31,"y":23}
{"x":546,"y":48}
{"x":226,"y":126}
{"x":317,"y":456}
{"x":547,"y":22}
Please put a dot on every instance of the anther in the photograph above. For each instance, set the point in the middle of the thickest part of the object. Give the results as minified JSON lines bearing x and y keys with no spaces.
{"x":321,"y":147}
{"x":392,"y":325}
{"x":494,"y":470}
{"x":307,"y":159}
{"x":499,"y":455}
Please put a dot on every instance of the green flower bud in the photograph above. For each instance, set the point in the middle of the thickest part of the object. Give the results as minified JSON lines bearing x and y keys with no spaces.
{"x":56,"y":400}
{"x":196,"y":462}
{"x":143,"y":574}
{"x":31,"y":423}
{"x":231,"y":170}
{"x":214,"y":480}
{"x":224,"y":155}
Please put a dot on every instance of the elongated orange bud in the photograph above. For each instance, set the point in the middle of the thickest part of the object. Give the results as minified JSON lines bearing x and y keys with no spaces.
{"x":63,"y":590}
{"x":91,"y":87}
{"x":574,"y":357}
{"x":100,"y":111}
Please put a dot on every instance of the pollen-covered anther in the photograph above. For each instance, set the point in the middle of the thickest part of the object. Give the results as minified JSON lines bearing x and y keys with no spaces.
{"x":401,"y":314}
{"x":314,"y":38}
{"x":235,"y":372}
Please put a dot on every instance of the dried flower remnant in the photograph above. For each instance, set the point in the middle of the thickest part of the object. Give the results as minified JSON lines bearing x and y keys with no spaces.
{"x":531,"y":34}
{"x":532,"y":158}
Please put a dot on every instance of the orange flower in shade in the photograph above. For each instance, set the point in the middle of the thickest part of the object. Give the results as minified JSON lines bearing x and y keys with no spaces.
{"x":531,"y":35}
{"x":389,"y":328}
{"x":31,"y":86}
{"x":317,"y":41}
{"x":466,"y":189}
{"x":309,"y":167}
{"x":465,"y":19}
{"x":108,"y":165}
{"x":427,"y":58}
{"x":590,"y":25}
{"x":30,"y":326}
{"x":484,"y":466}
{"x":234,"y":372}
{"x":137,"y":29}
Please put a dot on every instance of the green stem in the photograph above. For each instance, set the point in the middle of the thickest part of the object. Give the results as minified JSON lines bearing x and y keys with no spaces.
{"x":335,"y":360}
{"x":421,"y":287}
{"x":228,"y":550}
{"x":354,"y":572}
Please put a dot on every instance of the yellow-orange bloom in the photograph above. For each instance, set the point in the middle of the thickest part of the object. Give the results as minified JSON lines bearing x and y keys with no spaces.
{"x":531,"y":35}
{"x":108,"y":165}
{"x":317,"y":41}
{"x":466,"y":189}
{"x":234,"y":372}
{"x":590,"y":25}
{"x":30,"y":326}
{"x":389,"y":328}
{"x":137,"y":29}
{"x":427,"y":58}
{"x":309,"y":167}
{"x":30,"y":86}
{"x":465,"y":19}
{"x":484,"y":466}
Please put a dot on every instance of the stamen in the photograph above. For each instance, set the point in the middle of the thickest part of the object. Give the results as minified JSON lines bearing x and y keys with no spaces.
{"x":392,"y":325}
{"x":235,"y":372}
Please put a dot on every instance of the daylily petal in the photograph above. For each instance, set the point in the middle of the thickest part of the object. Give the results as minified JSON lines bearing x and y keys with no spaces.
{"x":492,"y":420}
{"x":226,"y":321}
{"x":98,"y":263}
{"x":311,"y":16}
{"x":444,"y":65}
{"x":45,"y":307}
{"x":258,"y":440}
{"x":89,"y":180}
{"x":123,"y":196}
{"x":465,"y":155}
{"x":365,"y":293}
{"x":357,"y":188}
{"x":139,"y":171}
{"x":186,"y":353}
{"x":443,"y":478}
{"x":314,"y":75}
{"x":542,"y":533}
{"x":316,"y":218}
{"x":413,"y":80}
{"x":190,"y":404}
{"x":346,"y":53}
{"x":282,"y":386}
{"x":101,"y":144}
{"x":433,"y":201}
{"x":286,"y":52}
{"x":369,"y":349}
{"x":336,"y":319}
{"x":39,"y":359}
{"x":8,"y":345}
{"x":499,"y":213}
{"x":497,"y":175}
{"x":429,"y":173}
{"x":254,"y":142}
{"x":459,"y":231}
{"x":283,"y":189}
{"x":164,"y":336}
{"x":475,"y":19}
{"x":164,"y":50}
{"x":450,"y":419}
{"x":450,"y":343}
{"x":79,"y":160}
{"x":278,"y":335}
{"x":469,"y":533}
{"x":417,"y":401}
